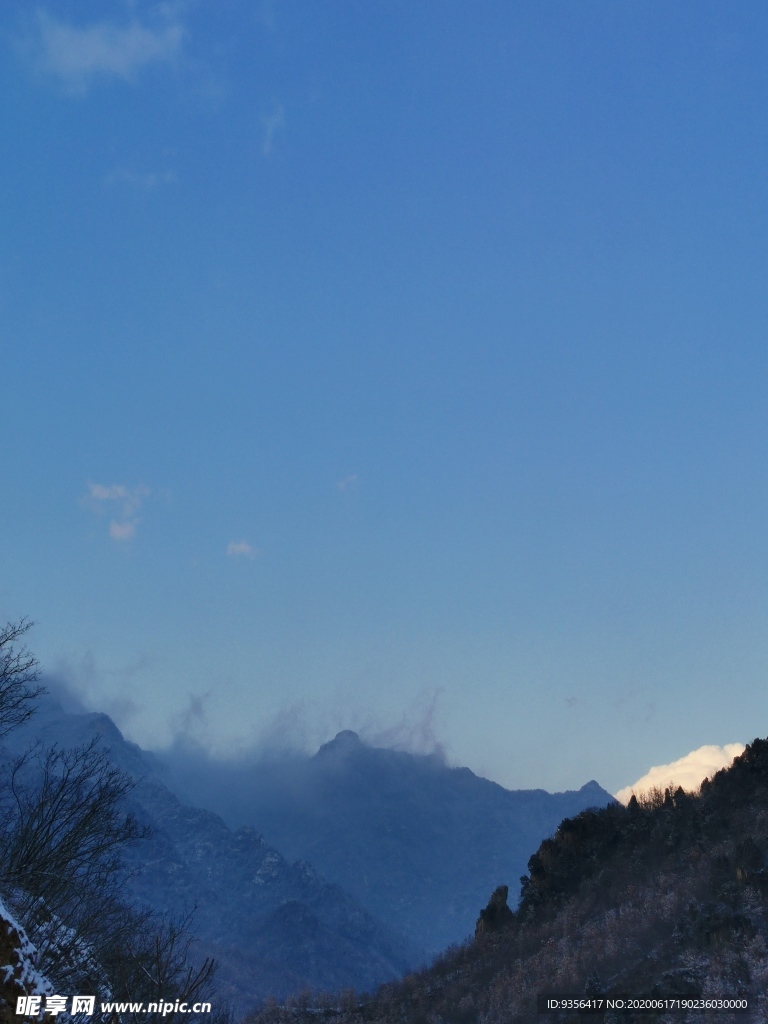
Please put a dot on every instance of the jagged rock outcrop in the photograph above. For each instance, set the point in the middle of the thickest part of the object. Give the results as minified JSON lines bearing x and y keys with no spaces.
{"x":496,"y":915}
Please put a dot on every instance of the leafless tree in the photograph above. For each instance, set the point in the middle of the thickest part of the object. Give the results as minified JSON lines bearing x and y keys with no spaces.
{"x":62,"y":826}
{"x":156,"y":965}
{"x":18,"y":675}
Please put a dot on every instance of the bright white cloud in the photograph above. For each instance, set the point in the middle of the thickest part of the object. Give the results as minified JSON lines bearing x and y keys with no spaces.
{"x":125,"y":501}
{"x":688,"y":772}
{"x":78,"y":55}
{"x":241,"y":549}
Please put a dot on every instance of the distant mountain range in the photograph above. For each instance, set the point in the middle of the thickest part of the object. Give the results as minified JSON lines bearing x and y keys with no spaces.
{"x":419,"y":844}
{"x":385,"y":857}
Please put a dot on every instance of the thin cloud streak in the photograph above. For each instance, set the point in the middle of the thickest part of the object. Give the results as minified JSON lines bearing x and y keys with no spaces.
{"x":147,"y":182}
{"x":273,"y":123}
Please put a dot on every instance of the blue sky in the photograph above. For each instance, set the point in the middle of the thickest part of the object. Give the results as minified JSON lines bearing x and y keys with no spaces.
{"x":395,"y":366}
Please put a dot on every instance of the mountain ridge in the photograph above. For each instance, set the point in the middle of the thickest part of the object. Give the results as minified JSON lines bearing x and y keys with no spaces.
{"x":415,"y":841}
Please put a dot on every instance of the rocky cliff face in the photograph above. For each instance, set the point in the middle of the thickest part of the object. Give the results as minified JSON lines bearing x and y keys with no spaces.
{"x":274,"y":927}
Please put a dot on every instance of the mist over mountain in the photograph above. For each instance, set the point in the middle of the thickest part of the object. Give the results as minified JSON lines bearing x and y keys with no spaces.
{"x":416,"y":842}
{"x":275,"y":927}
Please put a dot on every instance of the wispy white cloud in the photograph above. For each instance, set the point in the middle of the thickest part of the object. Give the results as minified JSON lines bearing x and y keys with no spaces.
{"x":347,"y":482}
{"x":79,"y":55}
{"x":125,"y":501}
{"x":129,"y":498}
{"x":241,"y":549}
{"x":688,"y":772}
{"x":272,"y":123}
